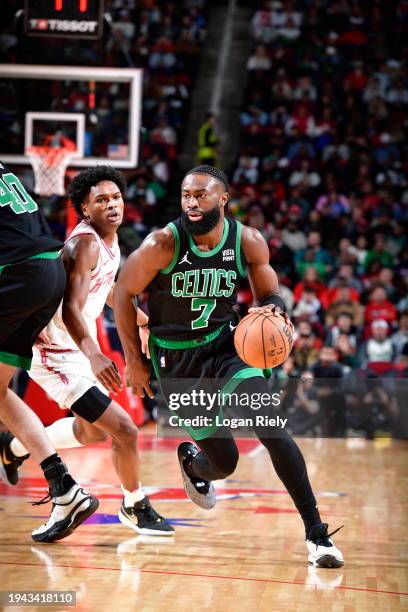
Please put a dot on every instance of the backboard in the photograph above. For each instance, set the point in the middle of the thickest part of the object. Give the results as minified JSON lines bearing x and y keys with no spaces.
{"x":98,"y":108}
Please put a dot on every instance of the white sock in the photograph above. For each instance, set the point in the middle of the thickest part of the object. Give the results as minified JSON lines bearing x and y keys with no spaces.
{"x":132,"y":497}
{"x":18,"y":449}
{"x":60,"y":433}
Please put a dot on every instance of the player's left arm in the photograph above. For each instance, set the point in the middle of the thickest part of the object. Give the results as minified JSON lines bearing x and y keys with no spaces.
{"x":262,"y":277}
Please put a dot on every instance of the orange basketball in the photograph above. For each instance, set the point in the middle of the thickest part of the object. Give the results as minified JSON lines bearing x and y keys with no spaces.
{"x":263,"y":340}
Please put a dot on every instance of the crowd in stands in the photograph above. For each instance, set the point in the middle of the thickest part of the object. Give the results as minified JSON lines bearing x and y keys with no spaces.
{"x":321,"y":173}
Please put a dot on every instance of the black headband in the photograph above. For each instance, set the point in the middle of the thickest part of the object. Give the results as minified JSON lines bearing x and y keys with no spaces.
{"x":211,"y":171}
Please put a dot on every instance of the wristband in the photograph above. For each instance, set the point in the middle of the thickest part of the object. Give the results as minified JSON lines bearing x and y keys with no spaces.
{"x":273,"y":300}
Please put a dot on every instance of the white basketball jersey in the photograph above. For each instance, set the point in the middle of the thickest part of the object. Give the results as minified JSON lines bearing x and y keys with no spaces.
{"x":102,"y":281}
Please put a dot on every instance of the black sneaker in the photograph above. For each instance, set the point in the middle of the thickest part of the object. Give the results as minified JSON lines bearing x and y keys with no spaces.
{"x":321,"y":549}
{"x":9,"y":464}
{"x":144,"y":519}
{"x":68,"y":512}
{"x":200,"y":491}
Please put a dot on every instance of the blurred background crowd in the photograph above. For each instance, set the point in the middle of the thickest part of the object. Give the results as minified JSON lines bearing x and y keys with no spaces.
{"x":320,"y":171}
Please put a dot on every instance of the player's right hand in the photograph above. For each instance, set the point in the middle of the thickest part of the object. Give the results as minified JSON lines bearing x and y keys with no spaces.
{"x":137,"y":376}
{"x":276,"y":310}
{"x":106,"y":372}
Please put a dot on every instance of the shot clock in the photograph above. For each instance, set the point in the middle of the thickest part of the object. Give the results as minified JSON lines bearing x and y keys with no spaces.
{"x":68,"y":18}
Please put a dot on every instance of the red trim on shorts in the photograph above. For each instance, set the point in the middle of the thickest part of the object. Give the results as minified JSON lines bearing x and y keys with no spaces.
{"x":43,"y":354}
{"x":51,"y":350}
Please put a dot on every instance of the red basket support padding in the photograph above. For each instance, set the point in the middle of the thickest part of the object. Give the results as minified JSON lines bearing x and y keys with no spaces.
{"x":44,"y":407}
{"x":72,"y":219}
{"x":131,"y":403}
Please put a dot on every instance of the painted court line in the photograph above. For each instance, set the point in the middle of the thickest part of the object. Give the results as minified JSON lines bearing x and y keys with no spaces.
{"x":196,"y":575}
{"x":256,"y":451}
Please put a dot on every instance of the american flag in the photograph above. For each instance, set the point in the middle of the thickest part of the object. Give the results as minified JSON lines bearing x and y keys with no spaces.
{"x":116,"y":151}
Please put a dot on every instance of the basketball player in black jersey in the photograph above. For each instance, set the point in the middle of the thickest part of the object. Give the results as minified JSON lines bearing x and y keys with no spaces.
{"x":191,"y":270}
{"x":32,"y":283}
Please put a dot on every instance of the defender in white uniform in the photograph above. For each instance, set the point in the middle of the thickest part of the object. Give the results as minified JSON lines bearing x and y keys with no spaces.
{"x":58,"y":366}
{"x":68,"y":363}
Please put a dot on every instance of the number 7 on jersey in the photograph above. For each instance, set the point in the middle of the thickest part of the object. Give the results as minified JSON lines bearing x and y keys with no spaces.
{"x":207,"y":306}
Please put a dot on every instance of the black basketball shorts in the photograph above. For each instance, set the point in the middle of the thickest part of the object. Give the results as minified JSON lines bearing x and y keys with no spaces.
{"x":30,"y":293}
{"x":193,"y":366}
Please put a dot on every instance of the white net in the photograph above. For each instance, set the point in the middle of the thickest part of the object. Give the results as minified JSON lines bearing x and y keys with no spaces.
{"x":49,"y":165}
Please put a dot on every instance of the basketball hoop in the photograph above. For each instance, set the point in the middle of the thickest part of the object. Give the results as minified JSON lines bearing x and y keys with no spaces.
{"x":49,"y":164}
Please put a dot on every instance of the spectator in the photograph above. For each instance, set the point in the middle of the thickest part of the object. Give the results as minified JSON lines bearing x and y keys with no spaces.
{"x":328,"y":374}
{"x":360,"y":250}
{"x":343,"y":337}
{"x":379,"y":253}
{"x":256,"y":219}
{"x":344,"y":303}
{"x":304,"y":176}
{"x":207,"y":141}
{"x":306,"y":349}
{"x":379,"y":348}
{"x":314,"y":255}
{"x":308,"y":308}
{"x":332,"y":295}
{"x":378,"y":307}
{"x":292,"y":235}
{"x":398,"y":93}
{"x":400,"y":338}
{"x":378,"y":408}
{"x":333,"y":204}
{"x":386,"y":280}
{"x":261,"y":26}
{"x":305,"y":90}
{"x":345,"y":277}
{"x":310,"y":280}
{"x":247,"y":171}
{"x":304,"y":412}
{"x":260,"y":60}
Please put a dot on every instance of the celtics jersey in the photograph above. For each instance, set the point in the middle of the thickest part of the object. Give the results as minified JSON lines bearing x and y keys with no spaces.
{"x":195,"y":295}
{"x":23,"y":229}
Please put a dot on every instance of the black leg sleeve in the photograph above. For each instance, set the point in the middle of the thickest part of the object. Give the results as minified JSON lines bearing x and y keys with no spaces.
{"x":217,"y":459}
{"x":287,"y":459}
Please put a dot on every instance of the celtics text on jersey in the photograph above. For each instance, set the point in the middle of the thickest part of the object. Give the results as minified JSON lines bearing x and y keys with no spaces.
{"x":196,"y":293}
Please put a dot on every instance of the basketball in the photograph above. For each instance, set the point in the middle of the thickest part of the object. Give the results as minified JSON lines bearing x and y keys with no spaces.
{"x":263,"y":340}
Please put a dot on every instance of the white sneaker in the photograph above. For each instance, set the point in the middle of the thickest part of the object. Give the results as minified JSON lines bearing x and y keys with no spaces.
{"x":322,"y":551}
{"x":68,"y":512}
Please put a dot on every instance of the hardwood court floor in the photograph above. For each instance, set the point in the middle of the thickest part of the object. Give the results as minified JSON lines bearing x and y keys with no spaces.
{"x":246,"y":554}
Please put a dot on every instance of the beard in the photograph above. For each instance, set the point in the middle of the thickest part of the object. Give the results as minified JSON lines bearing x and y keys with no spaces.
{"x":197,"y":228}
